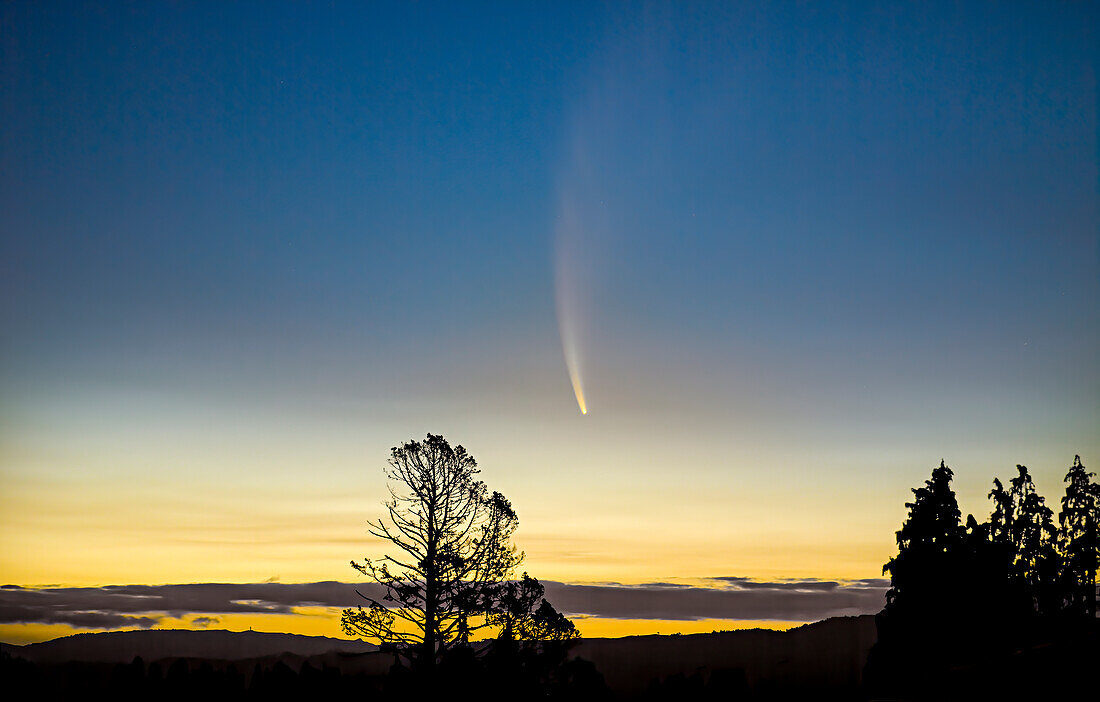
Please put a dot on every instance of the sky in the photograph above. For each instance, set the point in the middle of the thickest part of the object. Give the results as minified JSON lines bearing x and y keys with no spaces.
{"x":794,"y":254}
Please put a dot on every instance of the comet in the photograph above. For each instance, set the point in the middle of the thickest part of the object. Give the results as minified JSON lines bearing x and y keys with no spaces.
{"x":568,"y":322}
{"x":581,"y":227}
{"x":569,"y":266}
{"x":579,"y":392}
{"x":572,"y":364}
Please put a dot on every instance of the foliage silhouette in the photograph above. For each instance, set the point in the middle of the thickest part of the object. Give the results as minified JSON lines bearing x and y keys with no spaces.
{"x":453,"y":572}
{"x":968,"y":604}
{"x":1031,"y":528}
{"x":923,"y":602}
{"x":288,"y":678}
{"x":1002,"y":609}
{"x":929,"y":544}
{"x":1079,"y":539}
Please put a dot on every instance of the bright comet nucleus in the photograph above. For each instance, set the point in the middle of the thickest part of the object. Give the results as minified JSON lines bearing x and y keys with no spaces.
{"x":579,"y":392}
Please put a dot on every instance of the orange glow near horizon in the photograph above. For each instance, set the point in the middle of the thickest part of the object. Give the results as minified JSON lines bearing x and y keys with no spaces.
{"x":325,"y":621}
{"x":246,"y":497}
{"x":87,"y":528}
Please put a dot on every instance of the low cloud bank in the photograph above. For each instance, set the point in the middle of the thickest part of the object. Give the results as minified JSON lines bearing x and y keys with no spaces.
{"x":727,"y":597}
{"x":730,"y":598}
{"x":116,"y":606}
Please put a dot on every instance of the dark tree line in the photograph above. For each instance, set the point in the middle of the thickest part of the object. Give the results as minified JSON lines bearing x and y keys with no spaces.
{"x":181,"y":679}
{"x":291,"y":679}
{"x":968,"y":597}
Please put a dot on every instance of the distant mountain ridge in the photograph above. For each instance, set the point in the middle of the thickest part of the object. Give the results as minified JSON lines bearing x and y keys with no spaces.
{"x":155,"y":644}
{"x":825,"y":655}
{"x":829,"y":654}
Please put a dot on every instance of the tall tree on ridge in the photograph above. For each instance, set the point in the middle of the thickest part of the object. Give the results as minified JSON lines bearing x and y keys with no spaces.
{"x":451,"y":575}
{"x":1079,"y":539}
{"x":922,"y":575}
{"x":1000,"y":521}
{"x":1034,"y":538}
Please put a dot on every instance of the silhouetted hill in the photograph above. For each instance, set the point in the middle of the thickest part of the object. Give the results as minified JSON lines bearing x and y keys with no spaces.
{"x":156,"y":644}
{"x":829,"y":654}
{"x":826,"y":657}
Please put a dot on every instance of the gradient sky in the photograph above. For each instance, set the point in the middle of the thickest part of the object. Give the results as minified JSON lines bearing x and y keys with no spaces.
{"x":804,"y":251}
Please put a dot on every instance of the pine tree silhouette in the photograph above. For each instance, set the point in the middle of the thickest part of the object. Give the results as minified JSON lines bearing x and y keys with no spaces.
{"x":1079,"y":541}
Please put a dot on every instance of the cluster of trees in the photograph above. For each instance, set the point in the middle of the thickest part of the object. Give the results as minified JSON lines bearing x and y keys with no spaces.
{"x":181,"y":679}
{"x":290,"y":679}
{"x":452,"y":602}
{"x":963,"y":592}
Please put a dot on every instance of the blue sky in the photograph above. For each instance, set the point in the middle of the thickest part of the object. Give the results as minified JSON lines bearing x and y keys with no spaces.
{"x":815,"y":247}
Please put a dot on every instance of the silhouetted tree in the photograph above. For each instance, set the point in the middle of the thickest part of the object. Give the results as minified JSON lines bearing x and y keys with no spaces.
{"x":984,"y":585}
{"x":971,"y":610}
{"x":998,"y":600}
{"x":523,"y":614}
{"x":1035,"y":563}
{"x":923,"y":577}
{"x":918,"y":627}
{"x":1000,"y":521}
{"x":452,"y":574}
{"x":1000,"y":532}
{"x":1079,"y":538}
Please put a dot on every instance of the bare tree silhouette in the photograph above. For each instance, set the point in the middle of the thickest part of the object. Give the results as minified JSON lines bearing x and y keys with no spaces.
{"x":453,"y":572}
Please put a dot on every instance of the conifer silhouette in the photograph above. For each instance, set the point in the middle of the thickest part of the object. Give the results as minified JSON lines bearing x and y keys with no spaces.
{"x":1079,"y":540}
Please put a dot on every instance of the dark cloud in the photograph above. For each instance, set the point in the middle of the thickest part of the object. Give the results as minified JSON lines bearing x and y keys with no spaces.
{"x":801,"y":584}
{"x":205,"y":621}
{"x":81,"y":619}
{"x":733,"y":597}
{"x":873,"y":582}
{"x":69,"y":604}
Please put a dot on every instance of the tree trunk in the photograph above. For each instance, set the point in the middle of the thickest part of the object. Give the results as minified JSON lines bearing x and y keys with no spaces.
{"x":431,"y":594}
